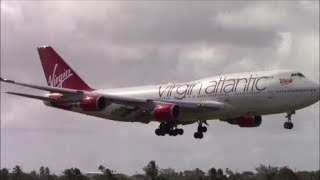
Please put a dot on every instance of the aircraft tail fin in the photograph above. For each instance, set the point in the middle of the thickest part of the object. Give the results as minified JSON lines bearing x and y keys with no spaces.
{"x":58,"y":73}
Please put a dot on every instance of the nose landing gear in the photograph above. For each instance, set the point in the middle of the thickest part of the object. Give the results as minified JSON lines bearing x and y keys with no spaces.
{"x":289,"y":124}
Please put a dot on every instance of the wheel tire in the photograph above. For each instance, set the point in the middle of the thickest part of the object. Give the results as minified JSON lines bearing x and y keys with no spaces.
{"x":172,"y":133}
{"x":286,"y":125}
{"x":204,"y":129}
{"x":198,"y":135}
{"x":195,"y":135}
{"x":158,"y":132}
{"x":163,"y":133}
{"x":290,"y":125}
{"x":180,"y":131}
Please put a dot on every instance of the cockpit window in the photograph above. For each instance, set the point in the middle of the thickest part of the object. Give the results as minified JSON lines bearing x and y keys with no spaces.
{"x":300,"y":75}
{"x":297,"y":74}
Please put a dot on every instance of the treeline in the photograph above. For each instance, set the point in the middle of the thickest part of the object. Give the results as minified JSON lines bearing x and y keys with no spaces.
{"x":153,"y":172}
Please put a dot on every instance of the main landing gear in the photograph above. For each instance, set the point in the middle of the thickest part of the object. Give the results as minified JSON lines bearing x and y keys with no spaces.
{"x":201,"y":129}
{"x":289,"y":124}
{"x":168,"y":128}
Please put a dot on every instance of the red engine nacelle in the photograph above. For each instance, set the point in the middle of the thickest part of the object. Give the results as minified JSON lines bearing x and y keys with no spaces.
{"x":246,"y":121}
{"x":166,"y":112}
{"x":87,"y":103}
{"x":93,"y":103}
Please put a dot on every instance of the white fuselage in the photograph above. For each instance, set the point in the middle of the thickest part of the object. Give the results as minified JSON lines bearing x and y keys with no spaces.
{"x":253,"y":93}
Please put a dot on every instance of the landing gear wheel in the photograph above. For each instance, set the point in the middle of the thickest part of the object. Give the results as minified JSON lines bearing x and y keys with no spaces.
{"x":203,"y":129}
{"x":198,"y":135}
{"x":173,"y":133}
{"x":179,"y":131}
{"x":291,"y":126}
{"x":168,"y":128}
{"x":288,"y":125}
{"x":159,"y":132}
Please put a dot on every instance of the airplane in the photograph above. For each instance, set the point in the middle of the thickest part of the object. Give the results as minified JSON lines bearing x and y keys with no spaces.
{"x":238,"y":99}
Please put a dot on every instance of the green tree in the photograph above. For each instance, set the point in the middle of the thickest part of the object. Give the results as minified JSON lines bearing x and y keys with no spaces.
{"x":168,"y":173}
{"x":107,"y":173}
{"x":232,"y":175}
{"x":267,"y":172}
{"x":32,"y":175}
{"x":212,"y":174}
{"x":220,"y":174}
{"x":101,"y":168}
{"x":73,"y":174}
{"x":4,"y":174}
{"x":17,"y":172}
{"x":287,"y":174}
{"x":306,"y":175}
{"x":247,"y":175}
{"x":41,"y":171}
{"x":46,"y":171}
{"x":151,"y":169}
{"x":194,"y":174}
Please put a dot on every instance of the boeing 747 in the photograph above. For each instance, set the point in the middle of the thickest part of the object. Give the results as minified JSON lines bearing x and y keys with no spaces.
{"x":238,"y":99}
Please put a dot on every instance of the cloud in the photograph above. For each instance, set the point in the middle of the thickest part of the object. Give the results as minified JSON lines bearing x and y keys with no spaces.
{"x":119,"y":44}
{"x":284,"y":47}
{"x":256,"y":15}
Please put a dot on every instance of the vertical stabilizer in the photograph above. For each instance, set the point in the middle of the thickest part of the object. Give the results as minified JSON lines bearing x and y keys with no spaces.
{"x":58,"y":73}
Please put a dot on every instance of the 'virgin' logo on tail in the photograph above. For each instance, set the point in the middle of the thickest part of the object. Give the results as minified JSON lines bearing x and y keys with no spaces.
{"x":57,"y":80}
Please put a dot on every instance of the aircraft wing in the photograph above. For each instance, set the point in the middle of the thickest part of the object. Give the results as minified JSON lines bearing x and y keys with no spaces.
{"x":39,"y":97}
{"x":72,"y":95}
{"x":45,"y":88}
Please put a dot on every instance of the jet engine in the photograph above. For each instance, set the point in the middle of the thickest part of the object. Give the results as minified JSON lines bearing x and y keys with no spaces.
{"x":86,"y":103}
{"x":166,"y":112}
{"x":93,"y":103}
{"x":245,"y":121}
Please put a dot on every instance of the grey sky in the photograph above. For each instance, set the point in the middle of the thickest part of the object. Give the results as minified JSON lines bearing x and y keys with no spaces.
{"x":119,"y":44}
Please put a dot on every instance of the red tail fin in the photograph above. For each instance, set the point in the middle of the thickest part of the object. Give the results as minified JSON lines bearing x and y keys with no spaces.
{"x":58,"y":73}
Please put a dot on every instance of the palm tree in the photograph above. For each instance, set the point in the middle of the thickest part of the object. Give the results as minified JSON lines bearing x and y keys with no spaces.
{"x":17,"y":171}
